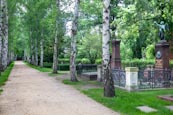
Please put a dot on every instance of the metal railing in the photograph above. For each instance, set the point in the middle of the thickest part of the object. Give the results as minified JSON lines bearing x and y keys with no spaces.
{"x":147,"y":78}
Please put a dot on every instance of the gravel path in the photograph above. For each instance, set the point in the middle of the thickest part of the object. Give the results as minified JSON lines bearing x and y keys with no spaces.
{"x":29,"y":92}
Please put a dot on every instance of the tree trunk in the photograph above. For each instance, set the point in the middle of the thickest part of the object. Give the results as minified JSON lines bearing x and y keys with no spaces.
{"x":36,"y":52}
{"x":41,"y":50}
{"x":5,"y":34}
{"x":108,"y":81}
{"x":36,"y":43}
{"x":55,"y":52}
{"x":73,"y":42}
{"x":32,"y":48}
{"x":1,"y":34}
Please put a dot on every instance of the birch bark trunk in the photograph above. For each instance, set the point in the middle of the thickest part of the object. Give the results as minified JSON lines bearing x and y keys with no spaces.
{"x":32,"y":48}
{"x":5,"y":34}
{"x":41,"y":50}
{"x":36,"y":43}
{"x":108,"y":81}
{"x":55,"y":53}
{"x":1,"y":34}
{"x":73,"y":42}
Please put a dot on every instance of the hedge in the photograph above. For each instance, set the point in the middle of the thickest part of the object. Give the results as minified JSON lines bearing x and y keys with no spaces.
{"x":140,"y":63}
{"x":63,"y":67}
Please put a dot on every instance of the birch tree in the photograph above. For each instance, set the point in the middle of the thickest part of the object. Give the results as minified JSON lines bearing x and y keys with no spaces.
{"x":55,"y":52}
{"x":108,"y":81}
{"x":5,"y":33}
{"x":41,"y":49}
{"x":73,"y":42}
{"x":1,"y":34}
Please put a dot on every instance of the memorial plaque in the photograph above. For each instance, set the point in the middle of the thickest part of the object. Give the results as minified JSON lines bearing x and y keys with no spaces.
{"x":159,"y":63}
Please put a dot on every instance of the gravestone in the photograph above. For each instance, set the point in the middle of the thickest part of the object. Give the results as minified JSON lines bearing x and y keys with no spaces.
{"x":162,"y":55}
{"x":115,"y":58}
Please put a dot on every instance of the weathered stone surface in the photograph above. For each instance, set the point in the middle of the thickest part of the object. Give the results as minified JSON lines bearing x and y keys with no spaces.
{"x":146,"y":109}
{"x":115,"y":58}
{"x":166,"y":97}
{"x":162,"y":55}
{"x":89,"y":75}
{"x":170,"y":107}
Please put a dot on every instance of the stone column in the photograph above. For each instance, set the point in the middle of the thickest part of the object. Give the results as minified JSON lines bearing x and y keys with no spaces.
{"x":131,"y":78}
{"x":162,"y":55}
{"x":99,"y":73}
{"x":115,"y":58}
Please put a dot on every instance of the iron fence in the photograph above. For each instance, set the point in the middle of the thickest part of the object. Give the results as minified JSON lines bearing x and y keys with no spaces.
{"x":119,"y":77}
{"x":147,"y":78}
{"x":155,"y":78}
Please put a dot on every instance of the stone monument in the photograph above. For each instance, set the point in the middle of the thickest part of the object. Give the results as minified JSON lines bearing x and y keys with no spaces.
{"x":162,"y":48}
{"x":115,"y":58}
{"x":162,"y":55}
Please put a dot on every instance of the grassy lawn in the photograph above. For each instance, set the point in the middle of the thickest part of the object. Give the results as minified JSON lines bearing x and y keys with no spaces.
{"x":4,"y":75}
{"x":43,"y":69}
{"x":126,"y":102}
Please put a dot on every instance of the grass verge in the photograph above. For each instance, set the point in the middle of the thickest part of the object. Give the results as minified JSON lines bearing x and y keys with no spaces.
{"x":4,"y":75}
{"x":126,"y":102}
{"x":43,"y":69}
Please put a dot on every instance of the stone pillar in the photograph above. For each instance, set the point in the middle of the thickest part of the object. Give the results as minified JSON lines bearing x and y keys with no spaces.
{"x":162,"y":55}
{"x":115,"y":58}
{"x":99,"y":73}
{"x":131,"y":78}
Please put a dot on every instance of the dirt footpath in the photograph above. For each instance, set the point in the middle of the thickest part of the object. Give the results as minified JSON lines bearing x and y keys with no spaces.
{"x":29,"y":92}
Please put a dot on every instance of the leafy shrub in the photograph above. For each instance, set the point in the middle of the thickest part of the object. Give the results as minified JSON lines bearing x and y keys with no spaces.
{"x":64,"y":60}
{"x":150,"y":50}
{"x":85,"y":61}
{"x":63,"y":67}
{"x":98,"y":61}
{"x":140,"y":63}
{"x":67,"y":61}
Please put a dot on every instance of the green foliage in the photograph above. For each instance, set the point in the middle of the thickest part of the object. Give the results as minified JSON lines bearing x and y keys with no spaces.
{"x":4,"y":75}
{"x":85,"y":61}
{"x":140,"y":63}
{"x":69,"y":82}
{"x":41,"y":69}
{"x":150,"y":52}
{"x":61,"y":67}
{"x":98,"y":61}
{"x":125,"y":52}
{"x":90,"y":45}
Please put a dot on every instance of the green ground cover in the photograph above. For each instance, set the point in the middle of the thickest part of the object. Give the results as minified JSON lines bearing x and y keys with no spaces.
{"x":41,"y":69}
{"x":44,"y":69}
{"x":126,"y":102}
{"x":5,"y":74}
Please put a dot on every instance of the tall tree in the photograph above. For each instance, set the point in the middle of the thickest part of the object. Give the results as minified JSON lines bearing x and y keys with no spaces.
{"x":55,"y":53}
{"x":5,"y":33}
{"x":1,"y":34}
{"x":108,"y":80}
{"x":41,"y":49}
{"x":73,"y":42}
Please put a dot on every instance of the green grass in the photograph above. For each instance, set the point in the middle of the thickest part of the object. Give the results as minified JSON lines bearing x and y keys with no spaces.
{"x":4,"y":75}
{"x":43,"y":69}
{"x":126,"y":102}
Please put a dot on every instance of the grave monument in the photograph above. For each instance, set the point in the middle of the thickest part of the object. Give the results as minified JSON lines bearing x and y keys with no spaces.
{"x":162,"y":49}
